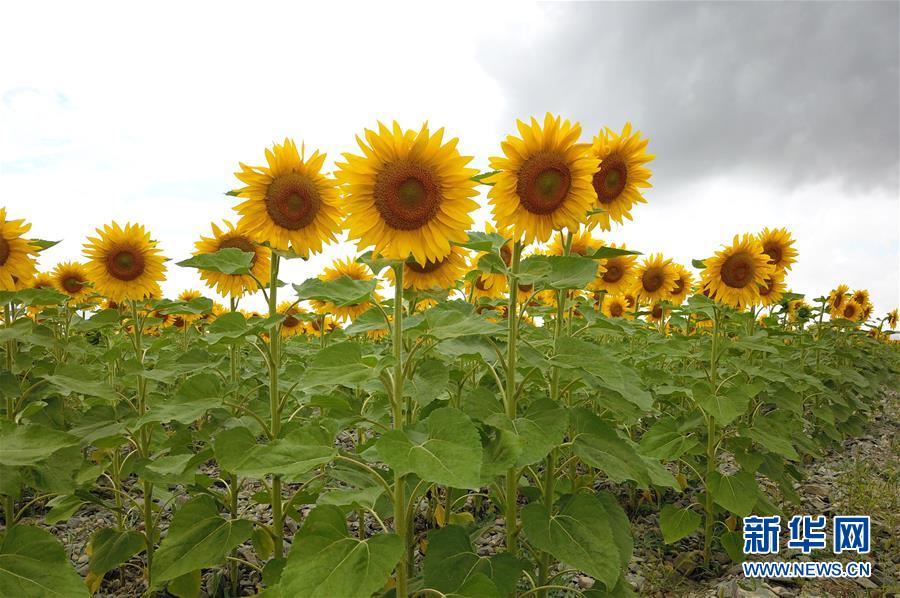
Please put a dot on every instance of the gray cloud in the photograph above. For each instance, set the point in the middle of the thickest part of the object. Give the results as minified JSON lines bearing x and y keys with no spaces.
{"x":791,"y":92}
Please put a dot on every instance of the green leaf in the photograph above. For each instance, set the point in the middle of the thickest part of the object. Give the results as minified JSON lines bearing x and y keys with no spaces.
{"x":42,"y":244}
{"x":229,"y":327}
{"x":230,"y":260}
{"x":444,"y":448}
{"x":340,"y":364}
{"x":558,"y":272}
{"x":111,"y":548}
{"x":342,"y":291}
{"x":69,"y":379}
{"x":699,"y":264}
{"x":33,"y":564}
{"x":774,"y":435}
{"x":665,"y":440}
{"x":737,"y":493}
{"x":198,"y":537}
{"x":539,"y":429}
{"x":610,"y":252}
{"x":196,"y":395}
{"x":185,"y":586}
{"x":298,"y":452}
{"x":29,"y":444}
{"x":487,"y":242}
{"x":428,"y":382}
{"x":455,"y":319}
{"x":578,"y":535}
{"x":677,"y":523}
{"x":724,"y":407}
{"x":481,"y":176}
{"x":613,"y":374}
{"x":33,"y":297}
{"x":598,"y":445}
{"x":326,"y":561}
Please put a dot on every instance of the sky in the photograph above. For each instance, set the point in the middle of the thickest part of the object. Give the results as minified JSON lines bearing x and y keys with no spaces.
{"x":759,"y":114}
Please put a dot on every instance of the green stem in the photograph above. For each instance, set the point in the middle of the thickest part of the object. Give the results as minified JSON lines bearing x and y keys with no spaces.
{"x":711,"y":443}
{"x":512,"y":474}
{"x":275,"y":407}
{"x":400,"y":520}
{"x":144,"y":440}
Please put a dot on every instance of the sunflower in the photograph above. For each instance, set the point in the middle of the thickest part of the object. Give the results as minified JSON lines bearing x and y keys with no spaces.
{"x":338,"y":269}
{"x":618,"y":275}
{"x":657,"y":313}
{"x":850,"y":310}
{"x":861,"y":296}
{"x":865,"y":313}
{"x":70,"y":278}
{"x":17,"y":264}
{"x":181,"y":320}
{"x":409,"y":194}
{"x":123,"y":263}
{"x":892,"y":318}
{"x":771,"y":291}
{"x":42,"y":280}
{"x":837,"y":296}
{"x":779,"y":246}
{"x":621,"y":175}
{"x":439,"y":274}
{"x":798,"y":310}
{"x":616,"y":306}
{"x":315,"y":326}
{"x":654,"y":279}
{"x":736,"y":272}
{"x":234,"y":285}
{"x":543,"y":181}
{"x":684,"y":282}
{"x":289,"y":202}
{"x":423,"y":304}
{"x":377,"y":334}
{"x":583,"y":243}
{"x":488,"y":285}
{"x":292,"y":325}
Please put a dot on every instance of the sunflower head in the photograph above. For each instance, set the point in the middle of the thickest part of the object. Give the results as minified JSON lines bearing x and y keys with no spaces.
{"x":618,"y":275}
{"x":237,"y":238}
{"x":338,"y":269}
{"x":657,"y":313}
{"x":621,"y":175}
{"x":409,"y":194}
{"x":123,"y":263}
{"x":778,"y":245}
{"x":684,"y":282}
{"x":42,"y":280}
{"x":861,"y":296}
{"x":837,"y":297}
{"x":543,"y":181}
{"x":849,"y":310}
{"x":317,"y":326}
{"x":893,"y":318}
{"x":293,"y":323}
{"x":70,"y":278}
{"x":772,"y":290}
{"x":442,"y":273}
{"x":736,"y":272}
{"x":17,"y":254}
{"x":654,"y":279}
{"x":289,"y":203}
{"x":616,"y":306}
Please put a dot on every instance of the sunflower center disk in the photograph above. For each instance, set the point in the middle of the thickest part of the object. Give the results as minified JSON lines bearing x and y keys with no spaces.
{"x":428,"y":267}
{"x":615,"y":310}
{"x":610,"y":180}
{"x":72,"y":285}
{"x":679,"y":286}
{"x":614,"y":273}
{"x":125,"y":264}
{"x":240,"y":243}
{"x":290,"y":322}
{"x":656,"y":312}
{"x":774,"y":253}
{"x":652,"y":279}
{"x":407,"y":195}
{"x":738,"y":270}
{"x":292,"y":201}
{"x":480,"y":284}
{"x":4,"y":250}
{"x":543,"y":183}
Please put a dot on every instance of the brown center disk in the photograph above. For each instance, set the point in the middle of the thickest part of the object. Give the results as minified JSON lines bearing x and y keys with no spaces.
{"x":241,"y":243}
{"x":738,"y":270}
{"x":773,"y":250}
{"x":543,"y":183}
{"x":479,"y":284}
{"x":614,"y":272}
{"x":4,"y":250}
{"x":526,"y":288}
{"x":506,"y":254}
{"x":653,"y":279}
{"x":656,"y":312}
{"x":292,"y":201}
{"x":766,"y":289}
{"x":72,"y":284}
{"x":407,"y":195}
{"x":610,"y":180}
{"x":125,"y":264}
{"x":679,"y":286}
{"x":290,"y":322}
{"x":427,"y":268}
{"x":615,"y":310}
{"x":849,"y":311}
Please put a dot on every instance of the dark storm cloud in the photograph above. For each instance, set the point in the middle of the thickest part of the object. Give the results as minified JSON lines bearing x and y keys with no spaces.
{"x":792,"y":92}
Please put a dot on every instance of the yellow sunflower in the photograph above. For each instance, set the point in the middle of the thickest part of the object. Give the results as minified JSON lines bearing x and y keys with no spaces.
{"x":238,"y":238}
{"x":654,"y":279}
{"x":892,"y":318}
{"x":289,"y":202}
{"x":771,"y":291}
{"x":315,"y":326}
{"x":42,"y":280}
{"x":657,"y":313}
{"x":17,"y":264}
{"x":850,"y":310}
{"x":124,"y":264}
{"x":422,"y":304}
{"x":837,"y":296}
{"x":861,"y":296}
{"x":583,"y":243}
{"x":618,"y":275}
{"x":409,"y":194}
{"x":439,"y":274}
{"x":71,"y":278}
{"x":684,"y":282}
{"x":489,"y":285}
{"x":618,"y":181}
{"x":736,"y":272}
{"x":779,"y":246}
{"x":798,"y":310}
{"x":543,"y":181}
{"x":616,"y":306}
{"x":866,"y":312}
{"x":292,"y":325}
{"x":350,"y":269}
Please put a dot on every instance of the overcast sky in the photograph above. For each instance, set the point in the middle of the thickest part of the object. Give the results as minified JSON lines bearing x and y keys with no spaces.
{"x":760,"y":114}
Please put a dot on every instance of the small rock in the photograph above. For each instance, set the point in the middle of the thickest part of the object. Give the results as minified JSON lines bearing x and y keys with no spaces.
{"x":865,"y":582}
{"x":585,"y":582}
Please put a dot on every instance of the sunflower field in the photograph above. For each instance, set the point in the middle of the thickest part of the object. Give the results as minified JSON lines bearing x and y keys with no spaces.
{"x":366,"y":431}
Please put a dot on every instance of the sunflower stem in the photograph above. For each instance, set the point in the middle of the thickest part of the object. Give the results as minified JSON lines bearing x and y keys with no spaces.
{"x":400,"y":520}
{"x":711,"y":443}
{"x":512,"y":474}
{"x":274,"y":406}
{"x":144,"y":439}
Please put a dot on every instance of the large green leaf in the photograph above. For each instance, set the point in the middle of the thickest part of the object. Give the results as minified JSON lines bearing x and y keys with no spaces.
{"x":33,"y":564}
{"x":578,"y":535}
{"x":737,"y":493}
{"x":341,"y":364}
{"x":326,"y":561}
{"x":598,"y":445}
{"x":196,"y":395}
{"x":444,"y":448}
{"x":198,"y":537}
{"x":724,"y":407}
{"x":612,"y":373}
{"x":29,"y":444}
{"x":76,"y":379}
{"x":342,"y":291}
{"x":677,"y":523}
{"x":110,"y":548}
{"x":479,"y":241}
{"x":558,"y":272}
{"x":230,"y":260}
{"x":429,"y":381}
{"x":296,"y":453}
{"x":539,"y":429}
{"x":455,"y":319}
